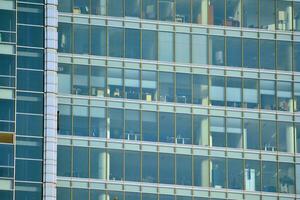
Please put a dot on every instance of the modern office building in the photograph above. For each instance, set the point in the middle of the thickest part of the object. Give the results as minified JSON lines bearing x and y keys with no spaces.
{"x":149,"y":99}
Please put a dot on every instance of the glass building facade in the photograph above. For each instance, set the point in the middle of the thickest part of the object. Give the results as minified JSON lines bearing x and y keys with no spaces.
{"x":150,"y":99}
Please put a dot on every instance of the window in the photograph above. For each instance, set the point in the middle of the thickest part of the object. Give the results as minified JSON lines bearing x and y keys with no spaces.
{"x":166,"y":10}
{"x":182,"y":47}
{"x":30,"y":58}
{"x":65,"y":120}
{"x":268,"y":135}
{"x":183,"y":11}
{"x":233,"y":13}
{"x":149,"y":9}
{"x":218,"y":172}
{"x":30,"y":80}
{"x":98,"y":122}
{"x":269,"y":176}
{"x":26,"y":127}
{"x":80,"y":162}
{"x":64,"y":6}
{"x":252,"y":175}
{"x":30,"y":36}
{"x":98,"y":166}
{"x":285,"y":137}
{"x":234,"y":132}
{"x":98,"y":81}
{"x":267,"y":14}
{"x":65,"y":38}
{"x":132,"y":166}
{"x":63,"y":193}
{"x":267,"y":95}
{"x":267,"y":54}
{"x":250,"y":52}
{"x":200,"y":89}
{"x":286,"y":176}
{"x":217,"y":91}
{"x":80,"y":121}
{"x":81,"y":79}
{"x":81,"y":39}
{"x":81,"y":7}
{"x":199,"y":11}
{"x":132,"y":83}
{"x":149,"y":85}
{"x":132,"y":8}
{"x":29,"y":170}
{"x":250,"y":13}
{"x":165,"y":45}
{"x":217,"y":131}
{"x":200,"y":130}
{"x":166,"y":86}
{"x":284,"y":96}
{"x":183,"y":128}
{"x":183,"y":169}
{"x":297,"y":16}
{"x":199,"y":55}
{"x":115,"y":82}
{"x":166,"y":127}
{"x":201,"y":172}
{"x":297,"y":96}
{"x":149,"y":126}
{"x":26,"y":191}
{"x":216,"y":50}
{"x":116,"y":165}
{"x":116,"y":123}
{"x":234,"y":92}
{"x":30,"y":103}
{"x":79,"y":194}
{"x":250,"y":93}
{"x":29,"y":148}
{"x":132,"y":43}
{"x":115,"y":8}
{"x":8,"y":64}
{"x":297,"y":51}
{"x":216,"y":12}
{"x":115,"y":39}
{"x":7,"y":111}
{"x":251,"y":133}
{"x":166,"y":168}
{"x":183,"y":88}
{"x":149,"y":168}
{"x":297,"y":132}
{"x":284,"y":55}
{"x":235,"y":173}
{"x":149,"y":45}
{"x":284,"y":16}
{"x":98,"y":7}
{"x":132,"y":125}
{"x":30,"y":14}
{"x":234,"y":51}
{"x":8,"y":20}
{"x":64,"y":160}
{"x":98,"y":40}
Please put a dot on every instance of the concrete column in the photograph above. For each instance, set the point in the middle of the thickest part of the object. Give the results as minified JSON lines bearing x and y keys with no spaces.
{"x":290,"y":138}
{"x":204,"y":172}
{"x":102,"y":165}
{"x":245,"y":138}
{"x":204,"y":137}
{"x":204,"y":7}
{"x":50,"y":101}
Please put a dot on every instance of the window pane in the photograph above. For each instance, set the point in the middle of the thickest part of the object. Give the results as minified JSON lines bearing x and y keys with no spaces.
{"x":80,"y":121}
{"x":8,"y":65}
{"x":297,"y":52}
{"x":132,"y":166}
{"x":233,"y":13}
{"x":284,"y":55}
{"x":79,"y":194}
{"x":200,"y":89}
{"x":132,"y":125}
{"x":234,"y":92}
{"x":81,"y":39}
{"x":166,"y":10}
{"x":6,"y":155}
{"x":30,"y":191}
{"x":29,"y":170}
{"x":115,"y":8}
{"x":166,"y":168}
{"x":284,"y":96}
{"x":267,"y":54}
{"x":250,"y":13}
{"x":250,"y":52}
{"x":149,"y":167}
{"x":132,"y":43}
{"x":286,"y":178}
{"x":201,"y":172}
{"x":149,"y":42}
{"x":132,"y":8}
{"x":30,"y":14}
{"x":30,"y":36}
{"x":183,"y":128}
{"x":268,"y":137}
{"x":296,"y":16}
{"x":63,"y":193}
{"x":267,"y":95}
{"x":166,"y":87}
{"x":115,"y":82}
{"x":81,"y":79}
{"x":284,"y":15}
{"x":8,"y":20}
{"x":7,"y":111}
{"x":165,"y":45}
{"x":65,"y":38}
{"x":267,"y":14}
{"x":217,"y":91}
{"x":81,"y":7}
{"x":64,"y":160}
{"x":200,"y":130}
{"x":234,"y":132}
{"x":199,"y":55}
{"x":183,"y":169}
{"x":216,"y":50}
{"x":65,"y":120}
{"x":116,"y":123}
{"x":115,"y":165}
{"x":26,"y":127}
{"x":98,"y":122}
{"x":166,"y":127}
{"x":98,"y":166}
{"x":183,"y":88}
{"x":250,"y":93}
{"x":149,"y":9}
{"x":115,"y":40}
{"x":80,"y":162}
{"x":182,"y":47}
{"x":199,"y":10}
{"x":218,"y":179}
{"x":132,"y":196}
{"x":217,"y":131}
{"x":297,"y":132}
{"x":269,"y":176}
{"x":252,"y":175}
{"x":285,"y":137}
{"x":29,"y":148}
{"x":149,"y":126}
{"x":132,"y":84}
{"x":64,"y":6}
{"x":98,"y":38}
{"x":251,"y":132}
{"x":30,"y":80}
{"x":98,"y":81}
{"x":30,"y":103}
{"x":235,"y":174}
{"x":149,"y":85}
{"x":234,"y":51}
{"x":98,"y":7}
{"x":216,"y":12}
{"x":97,"y":194}
{"x":64,"y":78}
{"x":183,"y":11}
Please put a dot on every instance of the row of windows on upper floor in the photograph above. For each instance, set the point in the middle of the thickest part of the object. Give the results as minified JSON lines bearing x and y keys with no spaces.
{"x":179,"y":169}
{"x":178,"y":87}
{"x":258,"y":14}
{"x":179,"y":128}
{"x":178,"y":47}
